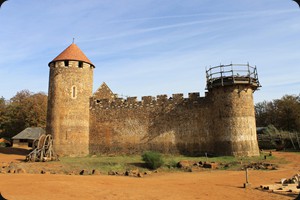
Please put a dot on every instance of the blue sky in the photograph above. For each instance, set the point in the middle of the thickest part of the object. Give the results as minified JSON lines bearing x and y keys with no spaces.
{"x":151,"y":47}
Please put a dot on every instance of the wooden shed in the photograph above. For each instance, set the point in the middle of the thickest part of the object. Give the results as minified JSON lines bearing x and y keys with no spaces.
{"x":26,"y":137}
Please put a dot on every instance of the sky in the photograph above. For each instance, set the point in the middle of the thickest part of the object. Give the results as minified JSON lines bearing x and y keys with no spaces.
{"x":152,"y":47}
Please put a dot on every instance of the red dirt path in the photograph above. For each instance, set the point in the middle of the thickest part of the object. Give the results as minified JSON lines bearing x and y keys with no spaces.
{"x":216,"y":184}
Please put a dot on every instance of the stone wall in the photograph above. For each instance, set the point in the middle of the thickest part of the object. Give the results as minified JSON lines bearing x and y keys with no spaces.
{"x":221,"y":123}
{"x":233,"y":121}
{"x":169,"y":125}
{"x":70,"y":86}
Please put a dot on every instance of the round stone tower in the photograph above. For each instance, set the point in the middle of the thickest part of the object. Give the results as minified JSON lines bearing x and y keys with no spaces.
{"x":70,"y":87}
{"x":230,"y":90}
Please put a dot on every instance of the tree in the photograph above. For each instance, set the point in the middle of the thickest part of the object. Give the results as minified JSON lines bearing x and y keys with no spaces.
{"x":283,"y":113}
{"x":24,"y":110}
{"x":2,"y":113}
{"x":289,"y":112}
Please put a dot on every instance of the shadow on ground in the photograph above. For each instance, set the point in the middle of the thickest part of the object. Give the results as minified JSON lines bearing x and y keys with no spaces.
{"x":292,"y":195}
{"x":15,"y":151}
{"x":138,"y":164}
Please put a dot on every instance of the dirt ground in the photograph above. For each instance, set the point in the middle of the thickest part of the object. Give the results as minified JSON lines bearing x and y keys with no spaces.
{"x":215,"y":184}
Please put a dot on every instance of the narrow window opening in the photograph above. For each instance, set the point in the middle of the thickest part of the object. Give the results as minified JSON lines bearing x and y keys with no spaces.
{"x":74,"y":92}
{"x":66,"y":63}
{"x":80,"y":64}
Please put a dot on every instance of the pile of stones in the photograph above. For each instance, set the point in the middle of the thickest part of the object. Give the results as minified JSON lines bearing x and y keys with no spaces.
{"x":131,"y":173}
{"x":11,"y":168}
{"x":14,"y":168}
{"x":191,"y":166}
{"x":261,"y":166}
{"x":293,"y":180}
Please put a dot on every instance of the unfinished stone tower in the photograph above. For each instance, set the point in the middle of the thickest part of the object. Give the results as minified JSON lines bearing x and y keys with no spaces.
{"x":220,"y":123}
{"x":70,"y":87}
{"x":230,"y":89}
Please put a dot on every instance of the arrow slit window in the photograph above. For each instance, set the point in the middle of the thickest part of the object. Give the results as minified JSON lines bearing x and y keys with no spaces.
{"x":74,"y":92}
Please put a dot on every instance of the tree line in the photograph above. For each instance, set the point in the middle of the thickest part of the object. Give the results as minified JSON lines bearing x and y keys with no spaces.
{"x":283,"y":114}
{"x":28,"y":109}
{"x":25,"y":109}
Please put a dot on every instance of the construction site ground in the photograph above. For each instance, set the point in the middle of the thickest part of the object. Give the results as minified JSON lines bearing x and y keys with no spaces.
{"x":211,"y":184}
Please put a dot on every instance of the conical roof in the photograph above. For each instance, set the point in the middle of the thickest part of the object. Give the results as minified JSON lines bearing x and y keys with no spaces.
{"x":72,"y":52}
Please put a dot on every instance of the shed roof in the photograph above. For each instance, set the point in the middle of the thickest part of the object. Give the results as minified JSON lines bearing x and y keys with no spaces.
{"x":72,"y":52}
{"x":31,"y":133}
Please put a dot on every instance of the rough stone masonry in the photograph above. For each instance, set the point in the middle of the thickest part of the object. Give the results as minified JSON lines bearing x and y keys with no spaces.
{"x":220,"y":123}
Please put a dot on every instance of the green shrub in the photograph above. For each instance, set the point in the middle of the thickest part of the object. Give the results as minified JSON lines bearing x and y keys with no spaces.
{"x":153,"y":160}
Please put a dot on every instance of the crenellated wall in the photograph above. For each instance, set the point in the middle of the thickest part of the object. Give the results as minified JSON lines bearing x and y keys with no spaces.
{"x":82,"y":123}
{"x":169,"y":125}
{"x":221,"y":123}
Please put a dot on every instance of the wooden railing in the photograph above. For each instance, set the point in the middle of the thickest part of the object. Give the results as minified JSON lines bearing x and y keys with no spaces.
{"x":232,"y":74}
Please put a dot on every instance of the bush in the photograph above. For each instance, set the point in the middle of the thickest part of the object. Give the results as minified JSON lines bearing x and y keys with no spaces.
{"x":153,"y":160}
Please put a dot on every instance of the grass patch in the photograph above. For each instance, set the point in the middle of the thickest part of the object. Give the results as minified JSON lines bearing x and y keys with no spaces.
{"x":102,"y":163}
{"x":123,"y":163}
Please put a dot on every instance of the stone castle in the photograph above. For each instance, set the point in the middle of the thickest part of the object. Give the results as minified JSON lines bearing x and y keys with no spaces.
{"x":220,"y":123}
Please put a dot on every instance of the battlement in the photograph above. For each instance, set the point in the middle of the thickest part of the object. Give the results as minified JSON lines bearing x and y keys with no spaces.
{"x":148,"y":101}
{"x":70,"y":63}
{"x":82,"y":123}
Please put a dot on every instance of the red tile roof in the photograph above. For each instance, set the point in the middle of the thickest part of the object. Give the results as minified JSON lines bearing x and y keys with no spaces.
{"x":72,"y":52}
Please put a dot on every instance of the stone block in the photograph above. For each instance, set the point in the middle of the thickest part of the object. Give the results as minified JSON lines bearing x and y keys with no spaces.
{"x":210,"y":165}
{"x":84,"y":172}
